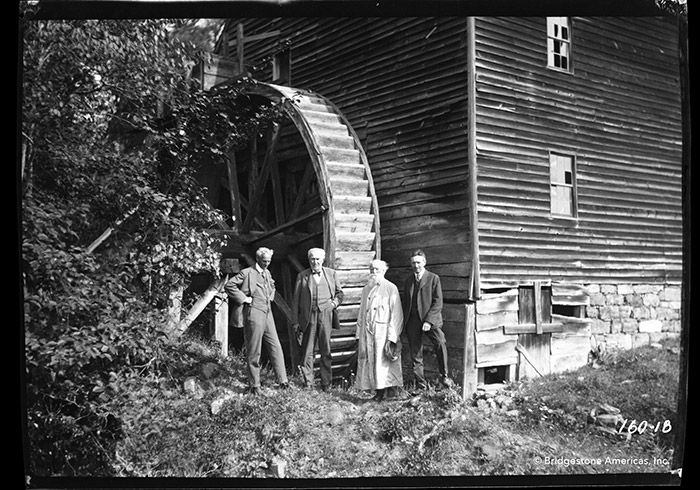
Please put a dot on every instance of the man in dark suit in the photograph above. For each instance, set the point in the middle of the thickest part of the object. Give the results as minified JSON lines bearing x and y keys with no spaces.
{"x":422,"y":313}
{"x":253,"y":290}
{"x":317,"y":293}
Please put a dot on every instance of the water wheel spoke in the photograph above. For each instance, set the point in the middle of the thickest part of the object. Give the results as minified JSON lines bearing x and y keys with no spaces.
{"x":261,"y":178}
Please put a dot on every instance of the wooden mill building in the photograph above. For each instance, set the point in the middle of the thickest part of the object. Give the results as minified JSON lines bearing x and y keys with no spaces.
{"x":535,"y":160}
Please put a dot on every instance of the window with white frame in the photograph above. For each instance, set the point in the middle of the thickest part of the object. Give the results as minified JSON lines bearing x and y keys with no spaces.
{"x":559,"y":43}
{"x":562,"y":173}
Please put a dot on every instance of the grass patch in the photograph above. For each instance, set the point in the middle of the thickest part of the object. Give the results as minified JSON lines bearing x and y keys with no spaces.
{"x":171,"y":432}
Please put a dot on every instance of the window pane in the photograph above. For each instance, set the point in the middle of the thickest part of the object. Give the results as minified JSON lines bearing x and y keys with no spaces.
{"x":562,"y":200}
{"x":559,"y":166}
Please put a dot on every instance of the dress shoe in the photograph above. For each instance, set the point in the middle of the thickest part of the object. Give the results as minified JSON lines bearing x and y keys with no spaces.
{"x":284,"y":386}
{"x":378,"y":395}
{"x":254,"y":390}
{"x":325,"y":388}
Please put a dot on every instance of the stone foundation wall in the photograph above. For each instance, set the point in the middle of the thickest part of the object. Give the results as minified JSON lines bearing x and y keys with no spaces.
{"x":631,"y":315}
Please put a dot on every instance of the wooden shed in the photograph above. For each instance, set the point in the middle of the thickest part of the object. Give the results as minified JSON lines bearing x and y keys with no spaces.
{"x":536,"y":161}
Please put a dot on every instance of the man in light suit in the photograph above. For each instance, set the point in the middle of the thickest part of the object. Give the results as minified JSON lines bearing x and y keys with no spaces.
{"x":253,"y":290}
{"x":422,"y":313}
{"x":317,"y":293}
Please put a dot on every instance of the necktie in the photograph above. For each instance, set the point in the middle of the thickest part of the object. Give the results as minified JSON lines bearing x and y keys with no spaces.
{"x":266,"y":276}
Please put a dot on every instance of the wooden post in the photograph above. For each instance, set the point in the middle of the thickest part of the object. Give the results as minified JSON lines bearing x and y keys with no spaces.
{"x":174,"y":306}
{"x":538,"y":311}
{"x":469,"y":377}
{"x":98,"y":241}
{"x":221,"y":322}
{"x":232,"y":174}
{"x":239,"y":47}
{"x":475,"y":285}
{"x":214,"y":288}
{"x":682,"y":397}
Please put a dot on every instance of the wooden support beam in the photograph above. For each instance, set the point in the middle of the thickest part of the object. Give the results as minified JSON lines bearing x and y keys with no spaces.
{"x":526,"y":356}
{"x":289,"y":224}
{"x":295,"y":263}
{"x":301,"y":192}
{"x":252,"y":170}
{"x":259,"y":187}
{"x":470,"y":372}
{"x":277,"y":193}
{"x":538,"y":303}
{"x":475,"y":286}
{"x":306,"y":238}
{"x":239,"y":47}
{"x":518,"y":328}
{"x":221,"y":322}
{"x":234,"y":192}
{"x":98,"y":241}
{"x":174,"y":306}
{"x":262,"y":224}
{"x":214,"y":288}
{"x":261,"y":36}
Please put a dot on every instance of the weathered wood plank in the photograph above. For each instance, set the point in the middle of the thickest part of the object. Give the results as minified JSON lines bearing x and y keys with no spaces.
{"x":502,"y":353}
{"x":507,"y":301}
{"x":496,"y":320}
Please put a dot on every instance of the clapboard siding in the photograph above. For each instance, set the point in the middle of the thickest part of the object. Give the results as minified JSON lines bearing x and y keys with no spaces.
{"x":618,"y":113}
{"x":401,"y":82}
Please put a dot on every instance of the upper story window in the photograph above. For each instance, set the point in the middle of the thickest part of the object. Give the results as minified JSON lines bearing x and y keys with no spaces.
{"x":559,"y":43}
{"x":282,"y":67}
{"x":562,"y":173}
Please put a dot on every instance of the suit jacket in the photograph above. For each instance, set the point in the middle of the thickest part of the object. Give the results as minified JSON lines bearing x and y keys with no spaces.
{"x":248,"y":283}
{"x":429,"y":298}
{"x":301,"y":304}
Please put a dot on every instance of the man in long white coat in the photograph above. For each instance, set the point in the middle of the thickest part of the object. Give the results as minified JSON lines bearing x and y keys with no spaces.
{"x":378,"y":332}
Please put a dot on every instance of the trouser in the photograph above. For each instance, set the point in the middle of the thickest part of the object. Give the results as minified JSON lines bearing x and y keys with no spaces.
{"x":318,"y":330}
{"x":260,"y":330}
{"x":414,"y":332}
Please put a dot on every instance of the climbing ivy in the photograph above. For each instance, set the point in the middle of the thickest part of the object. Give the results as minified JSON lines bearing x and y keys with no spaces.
{"x":113,"y":131}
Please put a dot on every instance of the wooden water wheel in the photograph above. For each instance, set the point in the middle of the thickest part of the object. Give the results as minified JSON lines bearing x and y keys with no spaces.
{"x":307,"y":183}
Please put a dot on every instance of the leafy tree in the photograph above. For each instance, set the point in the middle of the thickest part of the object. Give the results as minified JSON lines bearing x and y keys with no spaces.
{"x":113,"y":131}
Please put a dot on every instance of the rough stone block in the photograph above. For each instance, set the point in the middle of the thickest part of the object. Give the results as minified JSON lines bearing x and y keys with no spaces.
{"x":646,"y":288}
{"x":630,"y":326}
{"x":615,"y":299}
{"x":624,"y":289}
{"x":634,"y":300}
{"x":609,"y":312}
{"x":619,"y":341}
{"x":616,"y":326}
{"x":592,"y":312}
{"x":676,"y":305}
{"x":608,"y":288}
{"x":651,"y":299}
{"x":597,"y":299}
{"x":647,"y":326}
{"x":641,"y":313}
{"x":640,"y":339}
{"x":656,"y":337}
{"x":625,"y":311}
{"x":674,"y":326}
{"x":593,"y":288}
{"x":600,"y":326}
{"x":671,"y":293}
